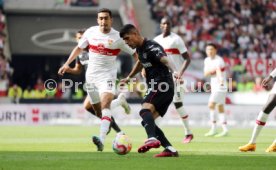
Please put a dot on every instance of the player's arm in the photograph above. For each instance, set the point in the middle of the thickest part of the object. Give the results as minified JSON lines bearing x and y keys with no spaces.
{"x":166,"y":62}
{"x":76,"y":70}
{"x":136,"y":69}
{"x":75,"y":52}
{"x":266,"y":81}
{"x":186,"y":63}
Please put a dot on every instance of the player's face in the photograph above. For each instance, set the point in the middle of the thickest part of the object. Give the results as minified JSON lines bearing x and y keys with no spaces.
{"x":104,"y":21}
{"x":165,"y":26}
{"x":211,"y":51}
{"x":78,"y":36}
{"x":131,"y":40}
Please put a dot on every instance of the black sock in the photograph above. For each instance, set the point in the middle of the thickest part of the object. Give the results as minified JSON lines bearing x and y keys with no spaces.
{"x":148,"y":122}
{"x":114,"y":125}
{"x":161,"y":137}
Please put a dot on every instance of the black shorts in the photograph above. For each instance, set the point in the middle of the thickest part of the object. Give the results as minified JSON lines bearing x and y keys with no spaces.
{"x":161,"y":99}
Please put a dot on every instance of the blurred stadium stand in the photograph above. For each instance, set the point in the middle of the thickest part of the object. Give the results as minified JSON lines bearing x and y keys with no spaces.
{"x":32,"y":22}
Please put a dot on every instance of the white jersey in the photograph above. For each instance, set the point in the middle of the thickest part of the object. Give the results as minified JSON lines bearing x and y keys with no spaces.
{"x":103,"y":50}
{"x":174,"y":46}
{"x":212,"y":65}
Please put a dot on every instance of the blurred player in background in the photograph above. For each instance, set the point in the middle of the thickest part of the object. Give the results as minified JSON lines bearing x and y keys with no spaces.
{"x":160,"y":84}
{"x":262,"y":117}
{"x":81,"y":63}
{"x":179,"y":58}
{"x":214,"y":67}
{"x":104,"y":44}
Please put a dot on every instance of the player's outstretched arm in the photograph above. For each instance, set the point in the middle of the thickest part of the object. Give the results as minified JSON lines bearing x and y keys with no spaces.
{"x":76,"y":70}
{"x":186,"y":63}
{"x":136,"y":69}
{"x":166,"y":62}
{"x":75,"y":52}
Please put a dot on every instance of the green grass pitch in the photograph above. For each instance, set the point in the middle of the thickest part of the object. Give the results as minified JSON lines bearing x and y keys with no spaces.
{"x":70,"y":147}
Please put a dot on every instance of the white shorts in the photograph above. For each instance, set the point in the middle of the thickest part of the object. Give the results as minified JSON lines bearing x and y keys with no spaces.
{"x":217,"y":97}
{"x":273,"y":90}
{"x":178,"y":93}
{"x":95,"y":87}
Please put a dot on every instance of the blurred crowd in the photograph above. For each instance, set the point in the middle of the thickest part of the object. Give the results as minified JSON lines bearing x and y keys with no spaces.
{"x":5,"y":69}
{"x":242,"y":28}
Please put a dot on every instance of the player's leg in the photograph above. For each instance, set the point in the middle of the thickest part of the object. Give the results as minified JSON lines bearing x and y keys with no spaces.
{"x":94,"y":98}
{"x":223,"y":120}
{"x":106,"y":99}
{"x":213,"y":116}
{"x":88,"y":106}
{"x":260,"y":122}
{"x":178,"y":103}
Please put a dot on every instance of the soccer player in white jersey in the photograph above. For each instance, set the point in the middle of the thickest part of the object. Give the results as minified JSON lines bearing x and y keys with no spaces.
{"x":81,"y":63}
{"x":179,"y":58}
{"x":262,"y":117}
{"x":214,"y":67}
{"x":104,"y":44}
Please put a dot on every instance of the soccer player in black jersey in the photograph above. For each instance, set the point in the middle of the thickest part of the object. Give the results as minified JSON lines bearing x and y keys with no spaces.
{"x":160,"y":88}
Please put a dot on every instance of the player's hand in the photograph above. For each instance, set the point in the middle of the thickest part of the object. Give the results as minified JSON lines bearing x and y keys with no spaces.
{"x":178,"y":78}
{"x":266,"y":82}
{"x":63,"y":69}
{"x":143,"y":73}
{"x":124,"y":81}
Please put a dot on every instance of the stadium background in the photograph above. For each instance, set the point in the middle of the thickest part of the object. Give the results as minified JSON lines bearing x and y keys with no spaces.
{"x":40,"y":130}
{"x":37,"y":37}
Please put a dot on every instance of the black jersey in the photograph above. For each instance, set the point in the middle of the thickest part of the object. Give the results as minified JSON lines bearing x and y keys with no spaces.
{"x":83,"y":59}
{"x":150,"y":54}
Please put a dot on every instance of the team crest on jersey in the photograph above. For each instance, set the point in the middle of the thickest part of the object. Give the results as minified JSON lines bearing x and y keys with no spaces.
{"x":110,"y":41}
{"x":145,"y":55}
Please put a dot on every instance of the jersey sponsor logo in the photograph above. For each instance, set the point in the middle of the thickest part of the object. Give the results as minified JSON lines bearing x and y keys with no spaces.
{"x":157,"y":51}
{"x":55,"y":39}
{"x":146,"y":65}
{"x":172,"y":51}
{"x":100,"y":49}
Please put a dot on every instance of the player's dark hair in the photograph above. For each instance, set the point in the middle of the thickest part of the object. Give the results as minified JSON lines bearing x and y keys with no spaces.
{"x":105,"y":10}
{"x":212,"y":45}
{"x":81,"y":31}
{"x":127,"y":29}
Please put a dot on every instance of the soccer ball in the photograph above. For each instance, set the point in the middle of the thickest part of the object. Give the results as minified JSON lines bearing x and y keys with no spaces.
{"x":121,"y":144}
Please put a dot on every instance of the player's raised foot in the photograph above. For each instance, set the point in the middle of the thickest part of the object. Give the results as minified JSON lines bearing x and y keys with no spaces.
{"x":124,"y":103}
{"x":248,"y":147}
{"x":149,"y":144}
{"x":271,"y":148}
{"x":96,"y":140}
{"x":210,"y":133}
{"x":222,"y":134}
{"x":188,"y":138}
{"x":167,"y":153}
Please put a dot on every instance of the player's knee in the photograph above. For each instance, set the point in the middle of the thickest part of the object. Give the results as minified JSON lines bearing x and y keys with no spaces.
{"x":221,"y":108}
{"x":271,"y":103}
{"x":178,"y":104}
{"x":211,"y":106}
{"x":106,"y":113}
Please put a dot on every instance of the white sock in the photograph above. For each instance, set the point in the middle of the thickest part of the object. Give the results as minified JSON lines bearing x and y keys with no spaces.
{"x":260,"y":122}
{"x":222,"y":118}
{"x":185,"y":121}
{"x":115,"y":103}
{"x":213,"y":119}
{"x":105,"y":123}
{"x":171,"y":148}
